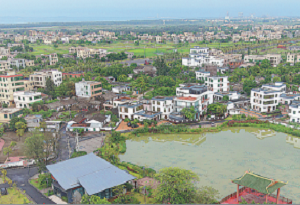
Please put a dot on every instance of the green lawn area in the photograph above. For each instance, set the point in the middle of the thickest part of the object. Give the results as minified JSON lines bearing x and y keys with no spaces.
{"x":141,"y":198}
{"x":118,"y":46}
{"x":34,"y":182}
{"x":14,"y":197}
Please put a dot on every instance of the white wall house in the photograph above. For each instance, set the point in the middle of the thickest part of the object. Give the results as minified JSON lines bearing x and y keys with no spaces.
{"x":163,"y":105}
{"x":266,"y":99}
{"x":197,"y":60}
{"x":120,"y":89}
{"x":294,"y":111}
{"x":24,"y":99}
{"x":128,"y":110}
{"x":88,"y":89}
{"x":232,"y":95}
{"x":214,"y":83}
{"x":198,"y":49}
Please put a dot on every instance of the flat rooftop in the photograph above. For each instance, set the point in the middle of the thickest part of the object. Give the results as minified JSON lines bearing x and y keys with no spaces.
{"x":9,"y":110}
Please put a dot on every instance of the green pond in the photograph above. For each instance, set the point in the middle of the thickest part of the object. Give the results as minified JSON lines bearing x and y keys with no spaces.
{"x":221,"y":156}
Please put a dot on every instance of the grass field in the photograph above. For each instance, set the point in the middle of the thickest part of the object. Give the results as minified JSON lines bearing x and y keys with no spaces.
{"x":14,"y":196}
{"x":34,"y":182}
{"x":150,"y":48}
{"x":147,"y":48}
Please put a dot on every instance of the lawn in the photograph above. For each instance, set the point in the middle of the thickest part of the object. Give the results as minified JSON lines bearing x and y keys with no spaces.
{"x":141,"y":198}
{"x":34,"y":182}
{"x":118,"y":46}
{"x":14,"y":197}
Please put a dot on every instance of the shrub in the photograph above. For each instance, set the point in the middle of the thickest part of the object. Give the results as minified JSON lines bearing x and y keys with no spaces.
{"x":127,"y":120}
{"x":122,"y":147}
{"x":42,"y":180}
{"x":78,"y":154}
{"x":64,"y":198}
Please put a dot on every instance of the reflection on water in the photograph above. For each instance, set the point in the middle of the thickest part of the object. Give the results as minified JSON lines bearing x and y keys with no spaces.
{"x":219,"y":157}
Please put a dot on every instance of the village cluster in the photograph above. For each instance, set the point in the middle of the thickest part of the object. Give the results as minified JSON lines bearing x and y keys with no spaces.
{"x":93,"y":112}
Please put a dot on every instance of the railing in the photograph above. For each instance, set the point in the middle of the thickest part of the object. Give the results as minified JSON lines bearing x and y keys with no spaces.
{"x":233,"y":195}
{"x":249,"y":191}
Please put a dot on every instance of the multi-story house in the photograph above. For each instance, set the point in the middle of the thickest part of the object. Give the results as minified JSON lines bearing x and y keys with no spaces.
{"x":266,"y":98}
{"x":48,"y":41}
{"x":129,"y":109}
{"x":17,"y":62}
{"x":294,"y":111}
{"x":217,"y":83}
{"x":24,"y":99}
{"x":4,"y":51}
{"x":4,"y":65}
{"x":88,"y":89}
{"x":6,"y":114}
{"x":53,"y":59}
{"x":214,"y":83}
{"x":195,"y":95}
{"x":291,"y":58}
{"x":87,"y":52}
{"x":10,"y":83}
{"x":198,"y":49}
{"x":274,"y":59}
{"x":39,"y":78}
{"x":162,"y":104}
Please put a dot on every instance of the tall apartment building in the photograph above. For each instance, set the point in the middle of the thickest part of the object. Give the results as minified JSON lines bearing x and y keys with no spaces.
{"x":266,"y":98}
{"x":10,"y":83}
{"x":25,"y":99}
{"x":39,"y":78}
{"x":88,"y":89}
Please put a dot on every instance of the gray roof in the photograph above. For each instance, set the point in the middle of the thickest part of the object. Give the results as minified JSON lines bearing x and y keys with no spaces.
{"x":162,"y":98}
{"x":93,"y":173}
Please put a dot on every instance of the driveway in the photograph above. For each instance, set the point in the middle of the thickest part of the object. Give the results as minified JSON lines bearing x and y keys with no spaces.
{"x":20,"y":177}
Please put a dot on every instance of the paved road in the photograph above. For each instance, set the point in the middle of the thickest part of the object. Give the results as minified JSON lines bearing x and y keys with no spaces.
{"x":20,"y":177}
{"x":63,"y":153}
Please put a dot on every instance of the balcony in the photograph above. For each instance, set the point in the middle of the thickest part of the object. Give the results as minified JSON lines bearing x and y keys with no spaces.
{"x":204,"y":100}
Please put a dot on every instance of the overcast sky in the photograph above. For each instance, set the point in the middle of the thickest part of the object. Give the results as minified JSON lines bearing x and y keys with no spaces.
{"x":14,"y":11}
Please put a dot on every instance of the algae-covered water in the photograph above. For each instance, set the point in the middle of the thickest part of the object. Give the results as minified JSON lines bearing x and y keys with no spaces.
{"x":219,"y":157}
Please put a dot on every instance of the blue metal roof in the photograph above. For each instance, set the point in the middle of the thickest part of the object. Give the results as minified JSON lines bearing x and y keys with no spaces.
{"x":93,"y":173}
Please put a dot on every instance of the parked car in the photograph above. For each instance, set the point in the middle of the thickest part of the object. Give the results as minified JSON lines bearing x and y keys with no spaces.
{"x":129,"y":124}
{"x":134,"y":126}
{"x":167,"y":123}
{"x":212,"y":124}
{"x":3,"y":191}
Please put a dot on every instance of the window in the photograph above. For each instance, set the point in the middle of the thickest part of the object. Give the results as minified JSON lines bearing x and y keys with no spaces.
{"x":5,"y":116}
{"x":126,"y":110}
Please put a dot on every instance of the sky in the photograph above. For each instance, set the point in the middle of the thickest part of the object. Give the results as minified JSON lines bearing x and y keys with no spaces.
{"x":23,"y":11}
